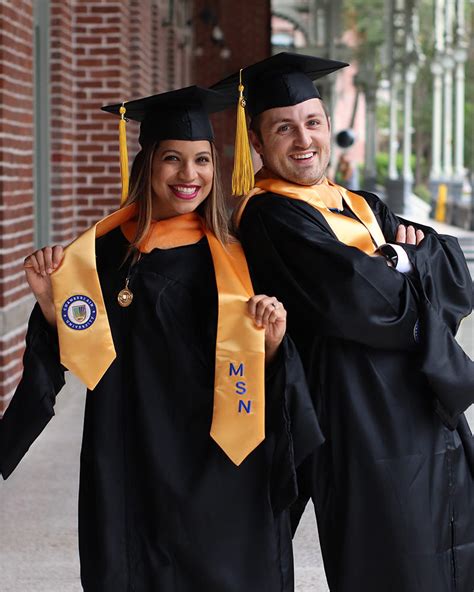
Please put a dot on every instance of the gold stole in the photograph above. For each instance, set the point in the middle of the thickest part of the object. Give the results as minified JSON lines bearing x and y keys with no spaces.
{"x":85,"y":339}
{"x":363,"y":233}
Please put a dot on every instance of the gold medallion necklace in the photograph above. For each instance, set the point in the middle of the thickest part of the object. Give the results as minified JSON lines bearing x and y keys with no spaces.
{"x":125,"y":296}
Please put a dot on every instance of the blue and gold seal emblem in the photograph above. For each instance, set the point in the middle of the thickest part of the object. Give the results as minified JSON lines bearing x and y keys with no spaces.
{"x":79,"y":312}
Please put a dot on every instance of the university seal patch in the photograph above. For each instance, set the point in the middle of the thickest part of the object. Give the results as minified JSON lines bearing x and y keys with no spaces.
{"x":79,"y":312}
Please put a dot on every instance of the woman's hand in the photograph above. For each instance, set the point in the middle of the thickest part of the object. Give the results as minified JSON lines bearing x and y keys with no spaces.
{"x":38,"y":267}
{"x":270,"y":314}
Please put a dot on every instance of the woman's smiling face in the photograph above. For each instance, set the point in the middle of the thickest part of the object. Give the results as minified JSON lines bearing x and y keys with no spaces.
{"x":182,"y":177}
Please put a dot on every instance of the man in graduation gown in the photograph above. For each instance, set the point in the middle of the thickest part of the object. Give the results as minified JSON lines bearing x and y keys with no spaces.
{"x":374,"y":303}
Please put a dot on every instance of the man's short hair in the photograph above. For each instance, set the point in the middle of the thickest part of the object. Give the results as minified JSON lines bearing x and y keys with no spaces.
{"x":255,"y":126}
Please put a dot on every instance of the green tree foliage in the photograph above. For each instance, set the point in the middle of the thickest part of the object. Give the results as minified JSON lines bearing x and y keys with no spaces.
{"x":369,"y":19}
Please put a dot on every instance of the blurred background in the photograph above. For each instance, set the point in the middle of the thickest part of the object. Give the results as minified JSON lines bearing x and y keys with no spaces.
{"x":403,"y":123}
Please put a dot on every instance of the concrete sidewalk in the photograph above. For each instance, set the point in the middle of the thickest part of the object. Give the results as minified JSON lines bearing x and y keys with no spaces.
{"x":443,"y":228}
{"x":38,"y":504}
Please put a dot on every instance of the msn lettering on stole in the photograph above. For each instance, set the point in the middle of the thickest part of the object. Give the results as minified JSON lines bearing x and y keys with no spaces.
{"x":240,"y":387}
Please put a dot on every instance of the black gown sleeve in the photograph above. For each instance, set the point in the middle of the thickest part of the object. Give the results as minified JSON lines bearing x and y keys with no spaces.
{"x":32,"y":405}
{"x":291,"y":418}
{"x":439,"y":266}
{"x":444,"y":285}
{"x":331,"y":289}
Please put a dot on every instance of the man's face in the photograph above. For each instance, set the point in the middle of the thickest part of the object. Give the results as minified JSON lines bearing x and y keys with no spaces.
{"x":295,"y":142}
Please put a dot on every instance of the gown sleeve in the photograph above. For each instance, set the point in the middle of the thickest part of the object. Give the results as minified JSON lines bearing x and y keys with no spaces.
{"x":291,"y":418}
{"x":32,"y":405}
{"x":442,"y":280}
{"x":338,"y":291}
{"x":439,"y":266}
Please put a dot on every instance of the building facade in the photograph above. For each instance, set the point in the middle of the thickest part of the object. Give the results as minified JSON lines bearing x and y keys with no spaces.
{"x":60,"y":61}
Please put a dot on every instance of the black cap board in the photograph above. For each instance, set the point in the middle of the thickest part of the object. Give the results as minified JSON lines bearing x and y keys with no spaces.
{"x":282,"y":80}
{"x":175,"y":115}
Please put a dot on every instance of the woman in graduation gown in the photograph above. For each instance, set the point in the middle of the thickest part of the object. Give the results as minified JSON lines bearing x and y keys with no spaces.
{"x":175,"y":495}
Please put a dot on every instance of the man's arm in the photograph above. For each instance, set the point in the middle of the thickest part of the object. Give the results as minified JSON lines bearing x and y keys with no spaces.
{"x":333,"y":290}
{"x":438,"y":264}
{"x":329,"y":288}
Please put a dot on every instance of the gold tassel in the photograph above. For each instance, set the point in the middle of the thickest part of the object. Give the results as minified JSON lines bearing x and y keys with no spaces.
{"x":242,"y":175}
{"x":123,"y":154}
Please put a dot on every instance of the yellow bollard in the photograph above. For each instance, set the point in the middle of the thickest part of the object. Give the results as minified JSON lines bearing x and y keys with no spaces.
{"x":440,"y":214}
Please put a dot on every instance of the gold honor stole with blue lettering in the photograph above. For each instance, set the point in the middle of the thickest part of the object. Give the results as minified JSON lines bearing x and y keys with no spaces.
{"x":85,"y":339}
{"x":364,"y":233}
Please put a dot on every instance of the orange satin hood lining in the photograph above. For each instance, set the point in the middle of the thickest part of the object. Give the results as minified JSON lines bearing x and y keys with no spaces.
{"x":363,"y":233}
{"x":178,"y":231}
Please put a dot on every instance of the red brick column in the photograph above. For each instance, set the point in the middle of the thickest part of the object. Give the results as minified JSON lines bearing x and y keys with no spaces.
{"x":16,"y":183}
{"x":141,"y":47}
{"x":159,"y":45}
{"x":117,"y":45}
{"x":63,"y":124}
{"x":122,"y":50}
{"x":101,"y":41}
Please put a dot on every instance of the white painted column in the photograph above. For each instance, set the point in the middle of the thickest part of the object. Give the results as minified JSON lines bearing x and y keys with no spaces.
{"x":459,"y":143}
{"x":449,"y":21}
{"x":460,"y":56}
{"x":409,"y":81}
{"x":437,"y":71}
{"x":448,"y":117}
{"x":410,"y":78}
{"x":439,"y":25}
{"x":448,"y":64}
{"x":393,"y":134}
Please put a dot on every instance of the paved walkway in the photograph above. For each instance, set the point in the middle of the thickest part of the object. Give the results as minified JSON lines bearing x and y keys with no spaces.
{"x":38,"y":505}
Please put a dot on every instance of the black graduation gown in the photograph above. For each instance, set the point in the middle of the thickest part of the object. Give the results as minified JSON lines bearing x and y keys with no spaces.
{"x":391,"y":485}
{"x":161,"y":507}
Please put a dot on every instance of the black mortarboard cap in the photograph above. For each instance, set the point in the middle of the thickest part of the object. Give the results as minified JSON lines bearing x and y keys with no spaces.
{"x":282,"y":80}
{"x":175,"y":115}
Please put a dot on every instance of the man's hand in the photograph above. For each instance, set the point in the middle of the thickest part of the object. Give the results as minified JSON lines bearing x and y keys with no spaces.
{"x":270,"y":314}
{"x":38,"y":267}
{"x":408,"y":235}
